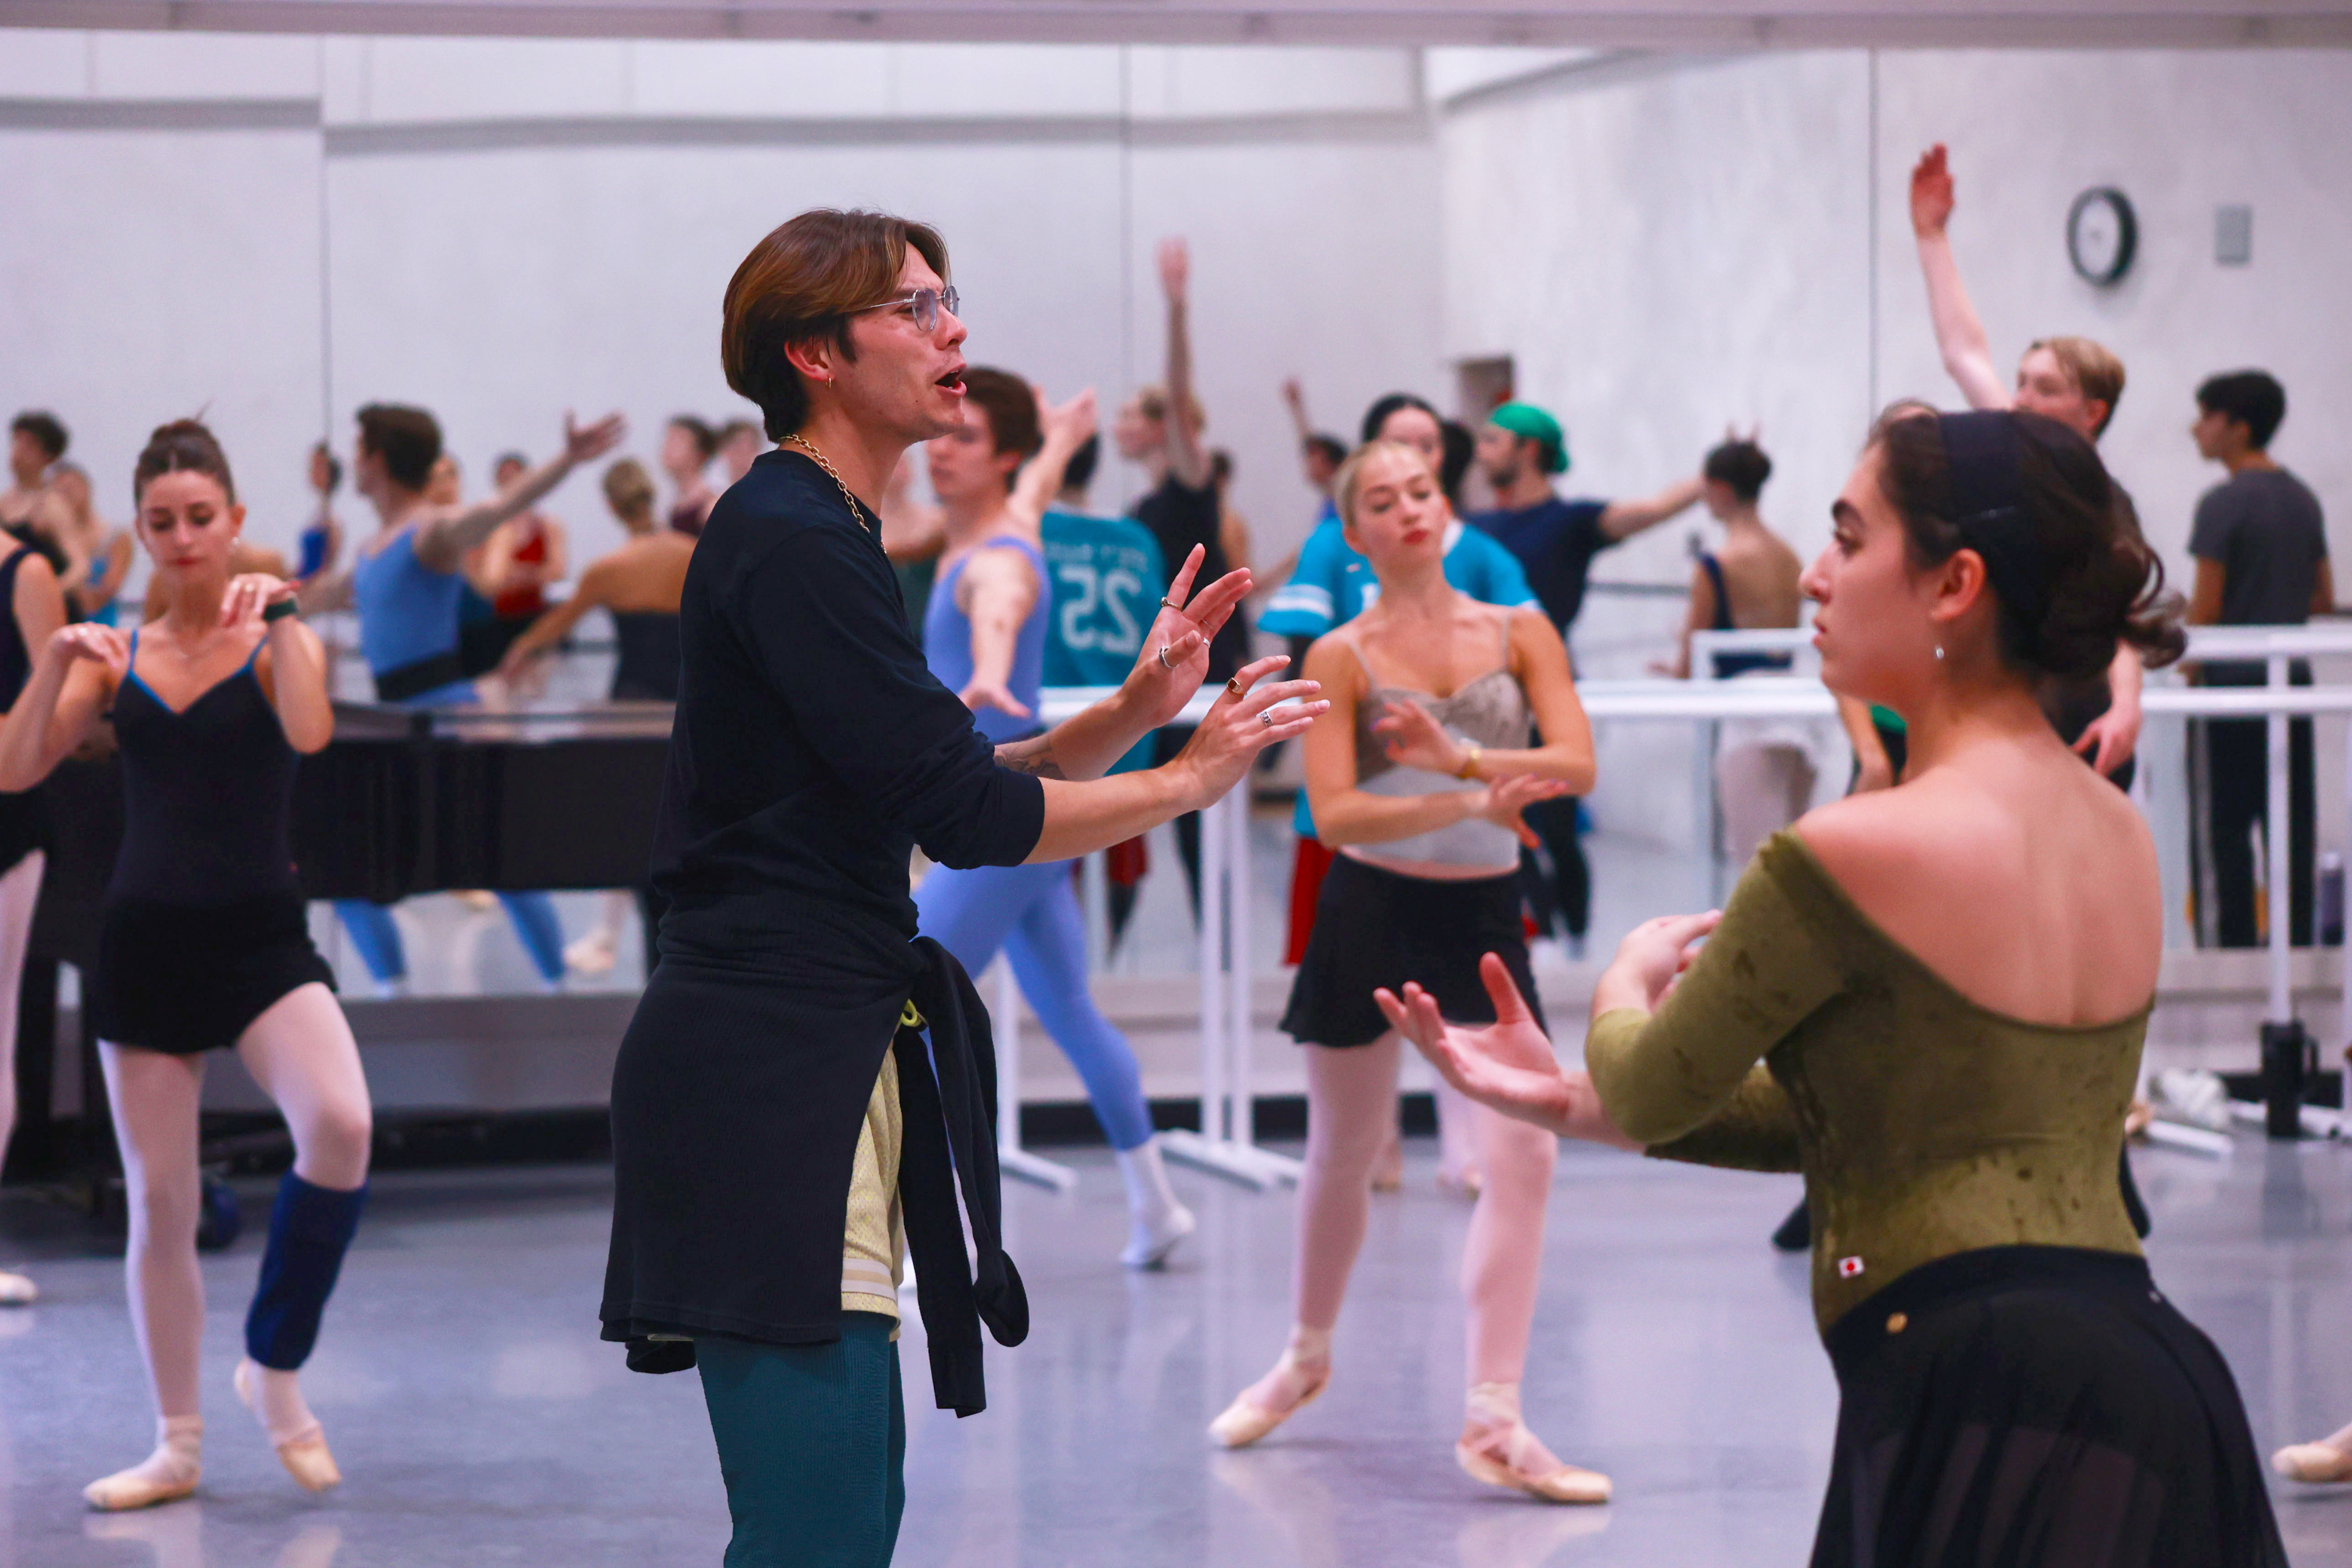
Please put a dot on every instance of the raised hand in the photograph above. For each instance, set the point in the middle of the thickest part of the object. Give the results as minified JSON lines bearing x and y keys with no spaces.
{"x":1294,"y":395}
{"x":1507,"y":1065}
{"x":997,"y":694}
{"x":1509,"y":795}
{"x":1932,"y":197}
{"x":1238,"y":727}
{"x":89,"y":641}
{"x":584,"y":444}
{"x":1175,"y":267}
{"x":1413,"y":739}
{"x":1654,"y":953}
{"x":1073,"y":421}
{"x":1186,"y":624}
{"x":248,"y":594}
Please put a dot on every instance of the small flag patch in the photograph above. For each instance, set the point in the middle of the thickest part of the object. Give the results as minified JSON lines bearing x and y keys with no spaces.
{"x":1848,"y":1268}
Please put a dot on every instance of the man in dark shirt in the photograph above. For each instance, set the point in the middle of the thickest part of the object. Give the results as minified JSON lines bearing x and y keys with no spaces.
{"x":1160,"y":428}
{"x":2262,"y":561}
{"x":1520,"y":447}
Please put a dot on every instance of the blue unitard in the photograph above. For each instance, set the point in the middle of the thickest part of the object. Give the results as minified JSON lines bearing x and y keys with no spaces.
{"x":408,"y":628}
{"x":1029,"y":910}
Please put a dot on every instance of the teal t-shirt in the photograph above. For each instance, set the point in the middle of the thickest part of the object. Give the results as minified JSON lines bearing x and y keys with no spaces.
{"x":1332,"y":585}
{"x":1108,"y":580}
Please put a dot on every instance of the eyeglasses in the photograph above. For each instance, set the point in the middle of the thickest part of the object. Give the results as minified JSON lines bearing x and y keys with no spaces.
{"x":923,"y":303}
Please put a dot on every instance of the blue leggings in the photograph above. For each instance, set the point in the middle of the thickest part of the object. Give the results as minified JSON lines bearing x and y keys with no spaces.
{"x":1032,"y":912}
{"x":378,"y":939}
{"x":812,"y":1445}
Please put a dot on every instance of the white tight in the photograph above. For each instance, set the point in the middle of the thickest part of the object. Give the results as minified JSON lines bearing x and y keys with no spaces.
{"x":1352,"y":1102}
{"x":301,"y":1053}
{"x":20,"y":888}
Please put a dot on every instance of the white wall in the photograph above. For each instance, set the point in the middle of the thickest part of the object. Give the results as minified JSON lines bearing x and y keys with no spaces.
{"x":513,"y":227}
{"x":1666,"y":247}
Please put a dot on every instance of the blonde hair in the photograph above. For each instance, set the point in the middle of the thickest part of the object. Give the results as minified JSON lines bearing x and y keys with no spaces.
{"x":1345,"y":482}
{"x":629,"y":491}
{"x":1153,"y":401}
{"x":2095,"y":371}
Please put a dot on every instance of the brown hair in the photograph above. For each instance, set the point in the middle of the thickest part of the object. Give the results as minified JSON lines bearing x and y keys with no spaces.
{"x":183,"y":447}
{"x":706,"y":439}
{"x":2096,"y":373}
{"x":408,"y":439}
{"x":629,"y":490}
{"x":48,"y":433}
{"x":1344,"y":483}
{"x":802,"y":284}
{"x":2102,"y":583}
{"x":1011,"y":409}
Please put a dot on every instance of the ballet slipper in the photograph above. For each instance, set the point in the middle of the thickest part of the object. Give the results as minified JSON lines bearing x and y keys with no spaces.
{"x":1497,"y":1449}
{"x":2313,"y":1464}
{"x":15,"y":1290}
{"x":167,"y":1475}
{"x":303,"y":1451}
{"x":1247,"y":1419}
{"x":1152,"y":1237}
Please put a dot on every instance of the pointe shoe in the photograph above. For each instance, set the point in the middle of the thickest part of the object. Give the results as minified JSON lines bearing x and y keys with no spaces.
{"x":1562,"y":1483}
{"x":305,"y":1455}
{"x":167,"y":1475}
{"x":2313,"y":1464}
{"x":1245,"y":1421}
{"x":1150,"y":1240}
{"x":15,"y":1290}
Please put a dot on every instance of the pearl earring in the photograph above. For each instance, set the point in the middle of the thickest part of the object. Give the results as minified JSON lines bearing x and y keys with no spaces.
{"x":1939,"y":652}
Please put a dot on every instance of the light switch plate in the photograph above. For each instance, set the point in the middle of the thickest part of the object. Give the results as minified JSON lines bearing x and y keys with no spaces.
{"x":2233,"y":236}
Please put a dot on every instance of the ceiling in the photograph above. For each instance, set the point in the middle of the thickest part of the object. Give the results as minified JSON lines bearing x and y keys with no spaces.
{"x":1617,"y":24}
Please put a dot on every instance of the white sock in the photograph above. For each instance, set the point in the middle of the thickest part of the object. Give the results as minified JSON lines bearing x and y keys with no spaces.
{"x":275,"y":1399}
{"x":1149,"y":1195}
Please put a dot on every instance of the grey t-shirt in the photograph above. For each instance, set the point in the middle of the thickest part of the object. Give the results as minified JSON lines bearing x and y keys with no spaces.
{"x":2262,"y":527}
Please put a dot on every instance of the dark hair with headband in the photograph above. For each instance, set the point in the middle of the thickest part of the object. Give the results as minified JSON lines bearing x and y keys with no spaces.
{"x":2060,"y":541}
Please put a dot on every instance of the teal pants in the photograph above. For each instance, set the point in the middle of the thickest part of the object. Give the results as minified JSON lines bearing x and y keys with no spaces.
{"x":812,"y":1445}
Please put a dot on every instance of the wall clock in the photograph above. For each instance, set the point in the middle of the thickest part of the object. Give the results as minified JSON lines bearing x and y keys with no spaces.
{"x":2102,"y":233}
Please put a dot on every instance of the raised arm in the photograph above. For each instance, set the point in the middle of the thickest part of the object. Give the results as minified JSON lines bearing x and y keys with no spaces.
{"x":1623,"y":519}
{"x":445,"y":536}
{"x":1065,"y":430}
{"x":556,"y":622}
{"x":1293,"y":398}
{"x":1348,"y":814}
{"x":73,"y":680}
{"x":1186,"y":459}
{"x":297,"y":670}
{"x":1960,"y":335}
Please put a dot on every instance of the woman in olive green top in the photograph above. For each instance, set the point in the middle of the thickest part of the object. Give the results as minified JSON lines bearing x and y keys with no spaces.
{"x":2014,"y":1388}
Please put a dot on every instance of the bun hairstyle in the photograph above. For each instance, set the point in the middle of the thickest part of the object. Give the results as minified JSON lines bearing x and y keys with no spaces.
{"x":1742,"y":465}
{"x":2073,"y":579}
{"x":183,"y":447}
{"x":1345,"y":482}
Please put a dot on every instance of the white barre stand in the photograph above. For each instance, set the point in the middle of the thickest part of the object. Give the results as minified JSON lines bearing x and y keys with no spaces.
{"x":1005,"y":1024}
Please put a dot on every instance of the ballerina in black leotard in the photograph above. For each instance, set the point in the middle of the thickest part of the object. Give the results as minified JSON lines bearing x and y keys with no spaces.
{"x":202,"y":945}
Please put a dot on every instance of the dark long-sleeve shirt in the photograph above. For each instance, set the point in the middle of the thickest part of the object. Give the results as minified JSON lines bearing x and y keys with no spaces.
{"x":813,"y":750}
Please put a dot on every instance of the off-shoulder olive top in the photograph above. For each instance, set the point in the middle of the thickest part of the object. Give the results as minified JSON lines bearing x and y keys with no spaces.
{"x":1925,"y":1124}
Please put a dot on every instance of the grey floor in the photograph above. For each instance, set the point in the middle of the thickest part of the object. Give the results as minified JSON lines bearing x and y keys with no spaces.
{"x":481,"y":1422}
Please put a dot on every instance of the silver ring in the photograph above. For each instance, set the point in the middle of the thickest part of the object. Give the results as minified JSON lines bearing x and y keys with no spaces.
{"x":1265,"y":716}
{"x":1167,"y":603}
{"x":1163,"y":657}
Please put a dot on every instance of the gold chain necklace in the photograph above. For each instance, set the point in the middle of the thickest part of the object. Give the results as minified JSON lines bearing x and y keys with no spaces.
{"x":856,"y":510}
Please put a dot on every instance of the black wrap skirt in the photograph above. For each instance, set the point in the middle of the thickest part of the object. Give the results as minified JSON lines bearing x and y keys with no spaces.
{"x":2038,"y":1407}
{"x":1377,"y":928}
{"x":187,"y":978}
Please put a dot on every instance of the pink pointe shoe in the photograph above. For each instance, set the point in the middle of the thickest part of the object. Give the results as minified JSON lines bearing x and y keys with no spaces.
{"x":1247,"y":1419}
{"x":2313,"y":1464}
{"x":1497,"y":1449}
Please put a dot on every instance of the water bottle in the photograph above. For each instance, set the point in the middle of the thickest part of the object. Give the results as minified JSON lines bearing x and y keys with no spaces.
{"x":2331,"y":900}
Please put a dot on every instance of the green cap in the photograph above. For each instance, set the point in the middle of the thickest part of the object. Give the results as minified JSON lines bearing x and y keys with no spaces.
{"x":1525,"y":419}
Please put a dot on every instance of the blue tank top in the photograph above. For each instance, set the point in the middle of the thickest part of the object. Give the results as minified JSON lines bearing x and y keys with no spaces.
{"x":947,"y":643}
{"x":105,"y":615}
{"x":408,"y":614}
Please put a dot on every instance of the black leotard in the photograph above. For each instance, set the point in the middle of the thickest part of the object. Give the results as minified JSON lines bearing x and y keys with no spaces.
{"x":647,"y":668}
{"x":24,"y":819}
{"x":203,"y":925}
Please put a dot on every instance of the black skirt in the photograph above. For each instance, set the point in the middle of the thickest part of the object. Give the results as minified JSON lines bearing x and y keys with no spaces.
{"x":2038,"y":1407}
{"x":24,"y":826}
{"x":1376,"y":927}
{"x":184,"y":978}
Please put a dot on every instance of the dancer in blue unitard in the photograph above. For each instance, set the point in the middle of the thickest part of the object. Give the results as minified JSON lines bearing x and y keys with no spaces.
{"x":406,"y":585}
{"x":984,"y":637}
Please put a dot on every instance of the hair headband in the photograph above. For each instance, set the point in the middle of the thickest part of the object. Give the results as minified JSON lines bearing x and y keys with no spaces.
{"x":1989,"y":509}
